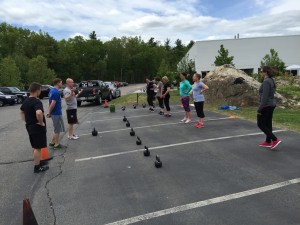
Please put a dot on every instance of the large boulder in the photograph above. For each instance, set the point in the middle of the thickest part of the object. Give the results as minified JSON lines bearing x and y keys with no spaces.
{"x":228,"y":85}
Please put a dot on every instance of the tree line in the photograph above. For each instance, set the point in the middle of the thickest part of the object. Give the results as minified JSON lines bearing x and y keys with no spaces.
{"x":27,"y":56}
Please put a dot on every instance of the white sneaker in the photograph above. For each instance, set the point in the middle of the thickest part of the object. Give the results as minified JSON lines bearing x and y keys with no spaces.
{"x":73,"y":138}
{"x":74,"y":135}
{"x":183,"y":120}
{"x":188,"y":121}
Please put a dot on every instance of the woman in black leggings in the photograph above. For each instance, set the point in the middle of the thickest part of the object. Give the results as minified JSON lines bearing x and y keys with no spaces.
{"x":166,"y":95}
{"x":266,"y":108}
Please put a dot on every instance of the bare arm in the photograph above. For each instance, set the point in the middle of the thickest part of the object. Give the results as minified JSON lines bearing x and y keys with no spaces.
{"x":204,"y":88}
{"x":22,"y":115}
{"x":51,"y":107}
{"x":39,"y":117}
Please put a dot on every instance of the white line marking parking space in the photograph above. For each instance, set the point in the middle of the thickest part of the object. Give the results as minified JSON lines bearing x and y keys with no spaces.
{"x":155,"y":125}
{"x":207,"y":202}
{"x":173,"y":145}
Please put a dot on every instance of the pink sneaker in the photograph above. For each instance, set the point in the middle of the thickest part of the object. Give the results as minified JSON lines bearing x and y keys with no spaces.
{"x":200,"y":125}
{"x":188,"y":121}
{"x":196,"y":124}
{"x":265,"y":144}
{"x":275,"y":144}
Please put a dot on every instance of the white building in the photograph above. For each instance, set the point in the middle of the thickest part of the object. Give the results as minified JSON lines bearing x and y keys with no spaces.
{"x":247,"y":52}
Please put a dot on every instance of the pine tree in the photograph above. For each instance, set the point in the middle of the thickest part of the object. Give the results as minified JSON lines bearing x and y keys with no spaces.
{"x":223,"y":57}
{"x":273,"y":60}
{"x":93,"y":35}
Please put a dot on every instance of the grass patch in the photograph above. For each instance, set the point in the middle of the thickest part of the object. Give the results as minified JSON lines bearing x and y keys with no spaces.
{"x":283,"y":118}
{"x":292,"y":92}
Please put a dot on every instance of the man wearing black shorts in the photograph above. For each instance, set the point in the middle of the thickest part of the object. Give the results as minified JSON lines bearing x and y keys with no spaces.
{"x":32,"y":112}
{"x":71,"y":101}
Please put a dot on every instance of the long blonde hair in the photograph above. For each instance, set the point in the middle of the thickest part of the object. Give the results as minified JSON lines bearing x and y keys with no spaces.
{"x":165,"y":78}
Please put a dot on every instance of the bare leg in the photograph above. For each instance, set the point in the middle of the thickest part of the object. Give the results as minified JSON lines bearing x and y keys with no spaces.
{"x":56,"y":138}
{"x":70,"y":130}
{"x":188,"y":115}
{"x":36,"y":156}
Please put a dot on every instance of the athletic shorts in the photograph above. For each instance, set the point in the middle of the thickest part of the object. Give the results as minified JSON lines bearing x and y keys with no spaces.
{"x":186,"y":103}
{"x":72,"y":116}
{"x":38,"y":140}
{"x":58,"y":123}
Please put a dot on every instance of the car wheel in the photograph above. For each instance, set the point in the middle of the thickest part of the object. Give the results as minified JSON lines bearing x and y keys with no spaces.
{"x":78,"y":103}
{"x":20,"y":100}
{"x":1,"y":103}
{"x":110,"y":97}
{"x":99,"y":100}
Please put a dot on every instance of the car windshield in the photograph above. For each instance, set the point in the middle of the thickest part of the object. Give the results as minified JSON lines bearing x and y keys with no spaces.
{"x":14,"y":89}
{"x":109,"y":84}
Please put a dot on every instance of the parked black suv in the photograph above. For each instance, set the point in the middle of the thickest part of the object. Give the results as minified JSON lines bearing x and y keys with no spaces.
{"x":15,"y":91}
{"x":7,"y":99}
{"x":45,"y":91}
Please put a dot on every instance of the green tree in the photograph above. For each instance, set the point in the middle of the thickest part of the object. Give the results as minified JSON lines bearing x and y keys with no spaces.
{"x":223,"y":57}
{"x":274,"y":61}
{"x":93,"y":35}
{"x":187,"y":66}
{"x":9,"y":72}
{"x":38,"y":71}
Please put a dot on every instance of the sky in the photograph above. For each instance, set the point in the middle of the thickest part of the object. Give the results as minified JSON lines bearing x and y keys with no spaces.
{"x":161,"y":19}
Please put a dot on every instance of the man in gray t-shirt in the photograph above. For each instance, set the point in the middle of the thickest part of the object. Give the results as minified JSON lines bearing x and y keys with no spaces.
{"x":71,"y":101}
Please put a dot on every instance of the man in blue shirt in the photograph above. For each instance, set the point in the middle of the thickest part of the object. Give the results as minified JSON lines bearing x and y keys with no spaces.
{"x":55,"y":112}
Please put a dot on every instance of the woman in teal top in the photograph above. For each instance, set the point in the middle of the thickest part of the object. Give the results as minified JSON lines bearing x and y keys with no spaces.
{"x":185,"y":88}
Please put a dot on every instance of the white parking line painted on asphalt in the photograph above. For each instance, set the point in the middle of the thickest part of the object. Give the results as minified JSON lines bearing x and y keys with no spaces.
{"x":207,"y":202}
{"x":155,"y":125}
{"x":173,"y":145}
{"x":129,"y":117}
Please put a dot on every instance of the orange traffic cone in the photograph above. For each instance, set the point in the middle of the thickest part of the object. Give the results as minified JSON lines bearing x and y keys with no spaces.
{"x":232,"y":117}
{"x":28,"y":215}
{"x":105,"y":104}
{"x":45,"y":156}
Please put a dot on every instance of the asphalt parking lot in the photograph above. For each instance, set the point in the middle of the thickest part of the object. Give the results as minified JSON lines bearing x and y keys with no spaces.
{"x":214,"y":175}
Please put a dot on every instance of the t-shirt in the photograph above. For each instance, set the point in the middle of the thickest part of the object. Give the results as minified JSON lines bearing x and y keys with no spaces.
{"x":159,"y":89}
{"x":149,"y":87}
{"x":166,"y":86}
{"x":54,"y":95}
{"x":72,"y":102}
{"x":185,"y":88}
{"x":197,"y":87}
{"x":29,"y":107}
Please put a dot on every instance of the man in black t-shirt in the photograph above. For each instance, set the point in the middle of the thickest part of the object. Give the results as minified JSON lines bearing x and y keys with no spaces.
{"x":150,"y":93}
{"x":32,"y":113}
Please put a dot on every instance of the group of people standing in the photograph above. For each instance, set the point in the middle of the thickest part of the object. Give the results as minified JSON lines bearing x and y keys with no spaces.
{"x":186,"y":90}
{"x":32,"y":112}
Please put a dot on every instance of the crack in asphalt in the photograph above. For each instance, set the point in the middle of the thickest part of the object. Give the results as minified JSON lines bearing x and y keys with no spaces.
{"x":48,"y":182}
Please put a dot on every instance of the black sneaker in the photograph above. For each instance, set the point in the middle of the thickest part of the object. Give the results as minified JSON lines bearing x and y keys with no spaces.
{"x":43,"y":163}
{"x":51,"y":145}
{"x":161,"y":113}
{"x":59,"y":146}
{"x":41,"y":169}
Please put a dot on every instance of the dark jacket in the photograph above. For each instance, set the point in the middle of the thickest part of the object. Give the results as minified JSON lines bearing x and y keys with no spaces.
{"x":266,"y":94}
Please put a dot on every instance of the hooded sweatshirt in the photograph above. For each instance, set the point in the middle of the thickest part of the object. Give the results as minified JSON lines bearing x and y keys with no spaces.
{"x":266,"y":94}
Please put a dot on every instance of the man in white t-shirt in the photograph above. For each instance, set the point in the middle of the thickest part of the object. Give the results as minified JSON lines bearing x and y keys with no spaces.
{"x":71,"y":101}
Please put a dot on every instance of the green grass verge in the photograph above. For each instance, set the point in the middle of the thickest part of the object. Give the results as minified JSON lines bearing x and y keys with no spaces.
{"x":283,"y":118}
{"x":292,"y":92}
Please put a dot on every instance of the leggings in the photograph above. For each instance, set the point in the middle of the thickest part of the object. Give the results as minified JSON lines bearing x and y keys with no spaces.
{"x":199,"y":109}
{"x":150,"y":99}
{"x":264,"y":122}
{"x":167,"y":102}
{"x":160,"y":102}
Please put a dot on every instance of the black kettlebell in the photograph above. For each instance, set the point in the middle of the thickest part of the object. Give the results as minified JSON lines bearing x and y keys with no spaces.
{"x":132,"y":133}
{"x":157,"y":162}
{"x":144,"y":105}
{"x":138,"y":141}
{"x":123,"y":108}
{"x":124,"y":119}
{"x":94,"y":132}
{"x":134,"y":106}
{"x":146,"y":151}
{"x":127,"y":124}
